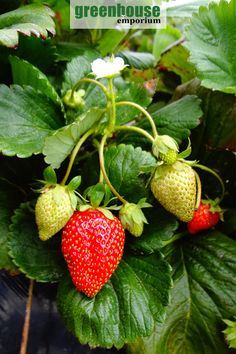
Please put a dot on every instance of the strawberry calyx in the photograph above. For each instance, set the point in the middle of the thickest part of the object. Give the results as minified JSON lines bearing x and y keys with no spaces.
{"x":103,"y":210}
{"x":230,"y":332}
{"x":165,"y":148}
{"x":133,"y":218}
{"x":214,"y":206}
{"x":206,"y":216}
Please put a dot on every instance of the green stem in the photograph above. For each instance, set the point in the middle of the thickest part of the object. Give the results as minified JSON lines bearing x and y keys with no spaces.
{"x":92,"y":81}
{"x":74,"y":153}
{"x":207,"y":169}
{"x":199,"y":190}
{"x":111,"y":106}
{"x":174,"y":238}
{"x":135,"y":129}
{"x":141,"y":109}
{"x":102,"y":166}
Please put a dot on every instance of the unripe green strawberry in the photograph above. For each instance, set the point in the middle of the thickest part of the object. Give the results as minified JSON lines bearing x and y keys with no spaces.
{"x":170,"y":157}
{"x":174,"y":186}
{"x":132,"y":217}
{"x":53,"y":209}
{"x":75,"y":101}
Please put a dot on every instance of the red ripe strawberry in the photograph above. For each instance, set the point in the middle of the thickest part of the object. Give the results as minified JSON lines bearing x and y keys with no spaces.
{"x":92,"y":245}
{"x":204,"y":218}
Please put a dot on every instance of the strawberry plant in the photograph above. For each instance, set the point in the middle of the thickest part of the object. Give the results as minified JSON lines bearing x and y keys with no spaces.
{"x":112,"y":144}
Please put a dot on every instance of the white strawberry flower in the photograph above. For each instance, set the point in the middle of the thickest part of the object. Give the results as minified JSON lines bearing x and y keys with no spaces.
{"x":107,"y":67}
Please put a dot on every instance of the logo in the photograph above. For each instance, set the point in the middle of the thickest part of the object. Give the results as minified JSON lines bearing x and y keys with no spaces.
{"x":117,"y":14}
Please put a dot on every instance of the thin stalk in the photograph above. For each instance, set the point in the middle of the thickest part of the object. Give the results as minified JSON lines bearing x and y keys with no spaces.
{"x":25,"y":332}
{"x":207,"y":169}
{"x":141,"y":109}
{"x":199,"y":190}
{"x":74,"y":153}
{"x":174,"y":238}
{"x":112,"y":106}
{"x":92,"y":81}
{"x":102,"y":166}
{"x":135,"y":129}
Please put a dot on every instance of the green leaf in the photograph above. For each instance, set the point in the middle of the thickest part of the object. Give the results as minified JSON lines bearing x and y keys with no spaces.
{"x":219,"y":109}
{"x":177,"y":61}
{"x":212,"y":44}
{"x":160,"y":228}
{"x":78,"y":68}
{"x":124,"y":164}
{"x":40,"y":53}
{"x":163,"y":38}
{"x":29,"y":20}
{"x":39,"y":260}
{"x":126,"y":307}
{"x":219,"y":113}
{"x":110,"y":40}
{"x":26,"y":118}
{"x":66,"y":51}
{"x":9,"y":200}
{"x":59,"y":145}
{"x":203,"y":294}
{"x":130,"y":92}
{"x":184,"y":8}
{"x":25,"y":73}
{"x":137,"y":60}
{"x":178,"y":118}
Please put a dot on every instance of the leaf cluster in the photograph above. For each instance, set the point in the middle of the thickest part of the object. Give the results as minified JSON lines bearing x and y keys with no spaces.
{"x":164,"y":295}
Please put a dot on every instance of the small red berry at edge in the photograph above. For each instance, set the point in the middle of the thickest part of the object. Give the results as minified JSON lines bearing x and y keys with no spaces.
{"x":203,"y":219}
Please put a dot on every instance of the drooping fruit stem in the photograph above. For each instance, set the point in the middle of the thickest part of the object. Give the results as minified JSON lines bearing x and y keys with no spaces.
{"x":102,"y":167}
{"x":131,"y":128}
{"x":199,"y":191}
{"x":25,"y":332}
{"x":92,"y":81}
{"x":141,"y":109}
{"x":207,"y":169}
{"x":74,"y":153}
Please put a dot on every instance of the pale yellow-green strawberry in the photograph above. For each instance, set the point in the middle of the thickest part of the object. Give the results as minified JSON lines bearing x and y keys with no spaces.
{"x":53,"y":209}
{"x":174,"y":186}
{"x":133,"y":218}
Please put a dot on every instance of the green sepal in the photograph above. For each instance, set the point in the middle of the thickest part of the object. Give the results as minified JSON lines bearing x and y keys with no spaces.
{"x":162,"y":144}
{"x":49,"y":175}
{"x":105,"y":211}
{"x":214,"y":206}
{"x":186,"y":152}
{"x":108,"y":195}
{"x":74,"y":183}
{"x":73,"y":199}
{"x":230,"y":332}
{"x":143,"y":204}
{"x":95,"y":194}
